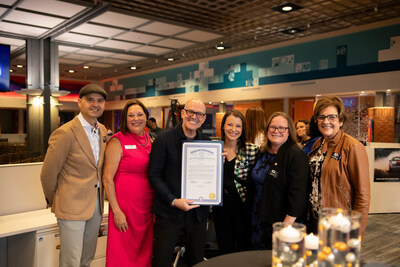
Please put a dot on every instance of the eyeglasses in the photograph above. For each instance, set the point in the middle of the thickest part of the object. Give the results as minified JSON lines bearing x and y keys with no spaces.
{"x":331,"y":117}
{"x":280,"y":129}
{"x":190,"y":112}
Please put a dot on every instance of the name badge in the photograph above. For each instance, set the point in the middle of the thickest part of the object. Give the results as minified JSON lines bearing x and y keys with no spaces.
{"x":336,"y":156}
{"x":130,"y":146}
{"x":273,"y":173}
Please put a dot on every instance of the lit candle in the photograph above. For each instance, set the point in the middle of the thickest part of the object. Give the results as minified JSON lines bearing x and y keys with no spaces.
{"x":290,"y":234}
{"x":311,"y":241}
{"x":339,"y":222}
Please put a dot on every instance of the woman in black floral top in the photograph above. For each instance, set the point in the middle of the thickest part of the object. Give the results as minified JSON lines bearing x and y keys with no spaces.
{"x":232,"y":220}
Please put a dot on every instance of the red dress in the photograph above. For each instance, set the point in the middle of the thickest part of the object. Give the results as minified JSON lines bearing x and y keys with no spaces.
{"x":135,"y":198}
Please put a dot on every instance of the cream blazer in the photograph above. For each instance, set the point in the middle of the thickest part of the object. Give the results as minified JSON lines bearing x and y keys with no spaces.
{"x":70,"y":177}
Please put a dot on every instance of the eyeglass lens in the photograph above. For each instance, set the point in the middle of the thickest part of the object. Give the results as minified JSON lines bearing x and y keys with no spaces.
{"x":331,"y":117}
{"x":280,"y":129}
{"x":192,"y":112}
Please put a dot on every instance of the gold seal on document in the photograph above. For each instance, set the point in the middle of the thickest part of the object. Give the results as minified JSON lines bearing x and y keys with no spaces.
{"x":211,"y":195}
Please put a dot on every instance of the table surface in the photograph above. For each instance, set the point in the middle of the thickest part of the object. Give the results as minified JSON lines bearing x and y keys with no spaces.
{"x":254,"y":258}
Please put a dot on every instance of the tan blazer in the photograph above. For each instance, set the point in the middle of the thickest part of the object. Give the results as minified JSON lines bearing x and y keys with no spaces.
{"x":69,"y":176}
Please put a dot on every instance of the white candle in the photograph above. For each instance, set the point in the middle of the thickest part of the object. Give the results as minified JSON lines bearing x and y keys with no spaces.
{"x":311,"y":241}
{"x":290,"y":234}
{"x":339,"y":222}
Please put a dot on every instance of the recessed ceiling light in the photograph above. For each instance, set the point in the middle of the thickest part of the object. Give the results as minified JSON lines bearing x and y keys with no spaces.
{"x":210,"y":103}
{"x":292,"y":31}
{"x":287,"y":8}
{"x":222,"y":102}
{"x":20,"y":66}
{"x":220,"y":47}
{"x":133,"y":67}
{"x":71,"y":71}
{"x":11,"y":70}
{"x":388,"y":90}
{"x":171,"y":59}
{"x":86,"y":67}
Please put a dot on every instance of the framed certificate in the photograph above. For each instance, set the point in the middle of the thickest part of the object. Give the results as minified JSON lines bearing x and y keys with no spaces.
{"x":202,"y":172}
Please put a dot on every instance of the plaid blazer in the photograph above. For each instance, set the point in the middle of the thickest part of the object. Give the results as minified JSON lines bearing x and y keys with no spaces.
{"x":243,"y":163}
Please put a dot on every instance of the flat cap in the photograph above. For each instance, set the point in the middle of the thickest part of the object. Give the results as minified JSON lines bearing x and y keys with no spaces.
{"x":92,"y":88}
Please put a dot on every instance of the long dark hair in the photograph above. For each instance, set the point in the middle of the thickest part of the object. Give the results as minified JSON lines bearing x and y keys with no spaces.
{"x":242,"y":138}
{"x":123,"y":125}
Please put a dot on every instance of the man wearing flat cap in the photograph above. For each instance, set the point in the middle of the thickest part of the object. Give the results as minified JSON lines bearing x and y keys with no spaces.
{"x":71,"y":178}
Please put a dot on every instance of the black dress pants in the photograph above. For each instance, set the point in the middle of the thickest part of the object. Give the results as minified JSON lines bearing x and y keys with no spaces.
{"x":232,"y":225}
{"x":167,"y":234}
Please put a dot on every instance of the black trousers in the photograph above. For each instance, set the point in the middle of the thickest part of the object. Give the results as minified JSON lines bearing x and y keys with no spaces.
{"x":167,"y":233}
{"x":232,"y":225}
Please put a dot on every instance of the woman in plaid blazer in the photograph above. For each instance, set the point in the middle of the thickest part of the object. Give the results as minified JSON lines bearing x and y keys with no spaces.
{"x":232,"y":219}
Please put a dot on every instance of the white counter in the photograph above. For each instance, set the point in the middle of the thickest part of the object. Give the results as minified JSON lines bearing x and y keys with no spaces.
{"x":30,"y":221}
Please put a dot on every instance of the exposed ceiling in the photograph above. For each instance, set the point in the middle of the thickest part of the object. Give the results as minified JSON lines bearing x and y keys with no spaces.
{"x":112,"y":36}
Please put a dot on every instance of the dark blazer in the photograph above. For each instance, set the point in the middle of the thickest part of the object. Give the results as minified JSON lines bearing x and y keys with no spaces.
{"x":165,"y":166}
{"x":285,"y":185}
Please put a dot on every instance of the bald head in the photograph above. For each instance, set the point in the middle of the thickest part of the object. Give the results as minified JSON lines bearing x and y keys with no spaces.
{"x":193,"y":116}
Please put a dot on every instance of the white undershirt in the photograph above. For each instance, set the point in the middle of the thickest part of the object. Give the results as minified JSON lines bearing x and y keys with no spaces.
{"x":94,"y":136}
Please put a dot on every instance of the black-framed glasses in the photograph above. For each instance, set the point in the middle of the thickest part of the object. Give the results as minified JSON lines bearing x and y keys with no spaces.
{"x":280,"y":129}
{"x":190,"y":112}
{"x":331,"y":117}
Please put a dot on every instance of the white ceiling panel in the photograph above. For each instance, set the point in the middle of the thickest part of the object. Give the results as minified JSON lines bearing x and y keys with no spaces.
{"x":152,"y":50}
{"x":99,"y":65}
{"x":78,"y":38}
{"x":162,"y":28}
{"x":96,"y":30}
{"x":199,"y":36}
{"x":173,"y":43}
{"x":120,"y":20}
{"x":95,"y":53}
{"x":128,"y":57}
{"x":80,"y":57}
{"x":138,"y":37}
{"x":2,"y":10}
{"x":117,"y":45}
{"x":33,"y":19}
{"x":70,"y":61}
{"x":8,"y":2}
{"x":9,"y":41}
{"x":65,"y":48}
{"x":112,"y":61}
{"x":51,"y":6}
{"x":21,"y":29}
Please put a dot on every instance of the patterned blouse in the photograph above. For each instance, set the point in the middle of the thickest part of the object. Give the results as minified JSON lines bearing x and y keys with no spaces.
{"x":316,"y":163}
{"x":244,"y":161}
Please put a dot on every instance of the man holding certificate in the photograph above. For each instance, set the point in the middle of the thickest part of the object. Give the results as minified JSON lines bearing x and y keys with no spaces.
{"x":173,"y":213}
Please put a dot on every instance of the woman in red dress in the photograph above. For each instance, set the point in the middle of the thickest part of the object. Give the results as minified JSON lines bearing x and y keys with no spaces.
{"x":130,"y":223}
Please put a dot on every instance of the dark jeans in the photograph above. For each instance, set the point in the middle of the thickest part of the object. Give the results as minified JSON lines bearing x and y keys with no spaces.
{"x":167,"y":234}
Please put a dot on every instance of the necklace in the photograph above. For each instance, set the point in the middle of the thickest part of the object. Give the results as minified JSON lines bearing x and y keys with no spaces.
{"x":145,"y":139}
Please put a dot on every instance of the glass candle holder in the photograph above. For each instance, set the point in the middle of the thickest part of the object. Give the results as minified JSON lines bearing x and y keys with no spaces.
{"x":311,"y":245}
{"x":288,"y":245}
{"x":339,"y":238}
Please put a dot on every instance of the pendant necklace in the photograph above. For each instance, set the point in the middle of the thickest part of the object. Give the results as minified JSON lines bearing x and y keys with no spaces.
{"x":145,"y":139}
